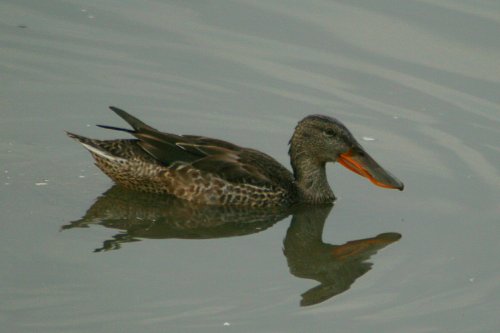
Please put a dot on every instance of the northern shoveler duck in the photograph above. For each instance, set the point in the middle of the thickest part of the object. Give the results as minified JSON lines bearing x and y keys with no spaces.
{"x":216,"y":172}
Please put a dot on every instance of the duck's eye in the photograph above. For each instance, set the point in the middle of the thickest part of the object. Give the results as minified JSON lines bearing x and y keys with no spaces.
{"x":330,"y":132}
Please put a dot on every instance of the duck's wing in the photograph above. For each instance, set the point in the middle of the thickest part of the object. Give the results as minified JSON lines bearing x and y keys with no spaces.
{"x":170,"y":148}
{"x":164,"y":147}
{"x":229,"y":161}
{"x":231,"y":165}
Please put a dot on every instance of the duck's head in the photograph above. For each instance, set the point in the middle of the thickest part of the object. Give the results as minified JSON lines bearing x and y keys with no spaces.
{"x":321,"y":139}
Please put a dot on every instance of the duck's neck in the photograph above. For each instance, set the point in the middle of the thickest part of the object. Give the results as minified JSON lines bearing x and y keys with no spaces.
{"x":310,"y":177}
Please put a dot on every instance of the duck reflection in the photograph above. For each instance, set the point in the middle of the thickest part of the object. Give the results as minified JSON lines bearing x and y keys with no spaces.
{"x":155,"y":216}
{"x":335,"y":267}
{"x":146,"y":215}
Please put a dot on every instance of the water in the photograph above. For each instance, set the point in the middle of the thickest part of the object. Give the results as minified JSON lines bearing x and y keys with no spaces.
{"x":420,"y":79}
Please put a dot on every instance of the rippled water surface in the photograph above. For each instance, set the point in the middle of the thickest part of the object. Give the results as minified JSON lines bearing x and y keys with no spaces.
{"x":418,"y":84}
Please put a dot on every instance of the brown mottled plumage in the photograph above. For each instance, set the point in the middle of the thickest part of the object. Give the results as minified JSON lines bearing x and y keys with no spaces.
{"x":216,"y":172}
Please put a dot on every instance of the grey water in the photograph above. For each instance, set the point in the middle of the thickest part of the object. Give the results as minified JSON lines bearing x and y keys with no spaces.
{"x":417,"y":82}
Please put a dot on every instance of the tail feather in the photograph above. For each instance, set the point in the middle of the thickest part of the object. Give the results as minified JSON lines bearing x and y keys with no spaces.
{"x":117,"y":128}
{"x":94,"y":148}
{"x":78,"y":138}
{"x":136,"y":124}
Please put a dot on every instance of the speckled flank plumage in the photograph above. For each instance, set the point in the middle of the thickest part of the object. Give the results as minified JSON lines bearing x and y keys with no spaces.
{"x":186,"y":182}
{"x":216,"y":172}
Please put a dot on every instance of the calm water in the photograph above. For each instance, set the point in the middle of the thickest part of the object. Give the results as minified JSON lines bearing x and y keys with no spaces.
{"x":416,"y":81}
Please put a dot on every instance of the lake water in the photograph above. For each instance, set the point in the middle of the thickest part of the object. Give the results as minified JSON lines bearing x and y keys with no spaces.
{"x":418,"y":84}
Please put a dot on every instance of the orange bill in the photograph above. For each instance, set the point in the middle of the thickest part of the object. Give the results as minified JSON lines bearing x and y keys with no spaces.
{"x":358,"y":161}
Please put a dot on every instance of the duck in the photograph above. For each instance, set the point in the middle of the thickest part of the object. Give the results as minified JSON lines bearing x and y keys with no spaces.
{"x":210,"y":171}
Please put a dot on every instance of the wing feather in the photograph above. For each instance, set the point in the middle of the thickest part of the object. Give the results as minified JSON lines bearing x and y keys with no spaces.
{"x":227,"y":160}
